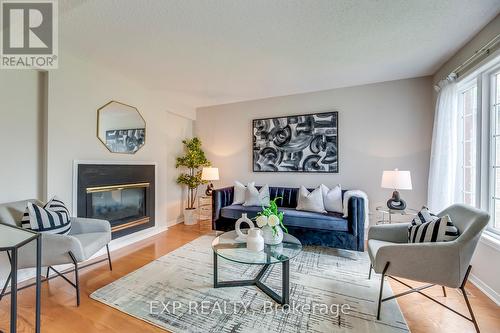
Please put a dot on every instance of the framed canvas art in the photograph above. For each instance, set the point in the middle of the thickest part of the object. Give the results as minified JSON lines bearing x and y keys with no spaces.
{"x":301,"y":143}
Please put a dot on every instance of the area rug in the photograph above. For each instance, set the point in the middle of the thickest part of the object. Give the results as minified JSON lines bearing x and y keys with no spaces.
{"x":329,"y":292}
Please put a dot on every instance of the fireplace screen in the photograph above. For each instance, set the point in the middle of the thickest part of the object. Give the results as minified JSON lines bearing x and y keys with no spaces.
{"x":122,"y":205}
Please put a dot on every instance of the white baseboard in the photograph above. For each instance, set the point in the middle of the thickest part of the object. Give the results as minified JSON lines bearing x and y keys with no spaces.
{"x":132,"y":238}
{"x":487,"y":290}
{"x":179,"y":220}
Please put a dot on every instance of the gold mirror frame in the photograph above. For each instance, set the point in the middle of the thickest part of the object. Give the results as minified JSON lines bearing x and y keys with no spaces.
{"x":98,"y":127}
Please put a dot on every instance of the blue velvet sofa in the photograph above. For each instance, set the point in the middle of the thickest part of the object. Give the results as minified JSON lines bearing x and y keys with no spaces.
{"x":330,"y":229}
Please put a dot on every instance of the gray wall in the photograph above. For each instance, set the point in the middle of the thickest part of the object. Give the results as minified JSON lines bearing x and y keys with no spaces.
{"x":381,"y":126}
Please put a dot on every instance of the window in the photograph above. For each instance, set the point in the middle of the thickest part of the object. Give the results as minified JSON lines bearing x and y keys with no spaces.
{"x":467,"y":107}
{"x":478,"y":104}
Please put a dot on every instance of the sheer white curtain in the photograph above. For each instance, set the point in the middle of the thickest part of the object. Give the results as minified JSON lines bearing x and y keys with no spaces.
{"x":444,"y":189}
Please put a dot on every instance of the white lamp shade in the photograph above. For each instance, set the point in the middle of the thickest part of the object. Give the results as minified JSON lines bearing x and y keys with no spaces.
{"x":397,"y":180}
{"x":210,"y":173}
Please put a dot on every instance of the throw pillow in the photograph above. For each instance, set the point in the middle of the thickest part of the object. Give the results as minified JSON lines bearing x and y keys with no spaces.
{"x":239,"y":193}
{"x":427,"y":227}
{"x":332,"y":198}
{"x":46,"y":220}
{"x":311,"y":201}
{"x":57,"y":205}
{"x":254,"y":197}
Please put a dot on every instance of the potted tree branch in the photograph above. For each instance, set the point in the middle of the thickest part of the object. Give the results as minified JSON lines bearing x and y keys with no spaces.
{"x":193,"y":159}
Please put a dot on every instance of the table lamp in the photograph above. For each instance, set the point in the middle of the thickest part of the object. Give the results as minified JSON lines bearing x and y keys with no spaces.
{"x":210,"y":174}
{"x":396,"y":180}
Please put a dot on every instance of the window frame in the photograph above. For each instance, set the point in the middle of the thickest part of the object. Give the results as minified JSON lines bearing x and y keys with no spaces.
{"x":483,"y":76}
{"x":489,"y":92}
{"x":462,"y":87}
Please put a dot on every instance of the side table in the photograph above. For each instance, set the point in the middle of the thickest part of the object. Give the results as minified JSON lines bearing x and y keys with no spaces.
{"x":11,"y":239}
{"x":387,"y":213}
{"x":205,"y":207}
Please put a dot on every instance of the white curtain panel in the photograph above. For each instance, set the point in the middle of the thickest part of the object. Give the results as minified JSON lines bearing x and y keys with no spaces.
{"x":444,"y":182}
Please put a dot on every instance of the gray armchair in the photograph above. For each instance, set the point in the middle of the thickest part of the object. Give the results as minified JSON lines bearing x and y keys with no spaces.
{"x":443,"y":263}
{"x":86,"y":238}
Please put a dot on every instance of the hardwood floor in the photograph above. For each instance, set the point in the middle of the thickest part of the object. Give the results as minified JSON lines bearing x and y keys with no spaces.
{"x":60,"y":314}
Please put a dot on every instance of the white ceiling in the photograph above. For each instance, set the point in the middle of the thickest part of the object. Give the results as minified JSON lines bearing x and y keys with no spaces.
{"x":207,"y":52}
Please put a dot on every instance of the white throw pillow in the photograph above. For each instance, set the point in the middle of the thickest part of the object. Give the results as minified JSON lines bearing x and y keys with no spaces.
{"x":239,"y":192}
{"x":332,"y":198}
{"x":311,"y":201}
{"x":254,"y":197}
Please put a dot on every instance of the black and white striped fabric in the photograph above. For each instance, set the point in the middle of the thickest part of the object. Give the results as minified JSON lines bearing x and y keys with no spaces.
{"x":53,"y":218}
{"x":57,"y":205}
{"x":427,"y":227}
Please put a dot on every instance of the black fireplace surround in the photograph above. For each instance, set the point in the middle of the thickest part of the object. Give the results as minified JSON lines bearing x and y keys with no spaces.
{"x":120,"y":193}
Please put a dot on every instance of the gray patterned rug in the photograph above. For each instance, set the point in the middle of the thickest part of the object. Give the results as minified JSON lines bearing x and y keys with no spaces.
{"x":329,"y":292}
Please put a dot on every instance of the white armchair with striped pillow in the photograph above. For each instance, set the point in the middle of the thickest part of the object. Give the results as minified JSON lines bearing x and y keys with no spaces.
{"x":442,"y":263}
{"x":85,"y":238}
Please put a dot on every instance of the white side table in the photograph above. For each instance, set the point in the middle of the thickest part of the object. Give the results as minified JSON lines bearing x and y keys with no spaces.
{"x":387,"y":214}
{"x":205,"y":208}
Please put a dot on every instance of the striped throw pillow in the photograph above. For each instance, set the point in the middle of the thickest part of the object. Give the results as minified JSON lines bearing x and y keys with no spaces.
{"x":57,"y":205}
{"x":427,"y":227}
{"x":55,"y":220}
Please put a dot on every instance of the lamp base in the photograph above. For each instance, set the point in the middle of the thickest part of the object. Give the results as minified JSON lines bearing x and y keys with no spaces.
{"x":396,"y":202}
{"x":209,"y":190}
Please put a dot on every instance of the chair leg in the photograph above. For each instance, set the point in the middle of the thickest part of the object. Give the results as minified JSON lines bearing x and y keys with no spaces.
{"x":370,"y":272}
{"x":77,"y":282}
{"x":469,"y":307}
{"x":5,"y":285}
{"x":444,"y":291}
{"x":47,"y":274}
{"x":109,"y":258}
{"x":381,"y":290}
{"x":8,"y":278}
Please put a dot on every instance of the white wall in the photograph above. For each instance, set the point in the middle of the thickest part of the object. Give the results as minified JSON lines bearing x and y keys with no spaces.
{"x":381,"y":126}
{"x":21,"y":138}
{"x":20,"y":135}
{"x":75,"y":91}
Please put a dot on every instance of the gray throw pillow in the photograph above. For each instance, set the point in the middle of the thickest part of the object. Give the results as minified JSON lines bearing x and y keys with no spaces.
{"x":254,"y":197}
{"x":332,"y":198}
{"x":239,"y":192}
{"x":311,"y":201}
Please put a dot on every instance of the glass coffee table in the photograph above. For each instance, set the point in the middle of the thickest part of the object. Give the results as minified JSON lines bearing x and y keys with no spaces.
{"x":226,"y":246}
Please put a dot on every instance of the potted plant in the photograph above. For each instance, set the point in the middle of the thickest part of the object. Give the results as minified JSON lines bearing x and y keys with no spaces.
{"x":193,"y":159}
{"x":271,"y":222}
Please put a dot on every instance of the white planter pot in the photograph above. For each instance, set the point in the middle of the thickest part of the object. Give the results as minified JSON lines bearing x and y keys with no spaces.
{"x":190,"y":216}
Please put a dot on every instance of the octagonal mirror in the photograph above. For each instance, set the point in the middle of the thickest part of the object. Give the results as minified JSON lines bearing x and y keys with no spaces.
{"x":121,"y":128}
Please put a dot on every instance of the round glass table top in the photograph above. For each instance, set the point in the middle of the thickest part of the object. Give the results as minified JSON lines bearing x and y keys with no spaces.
{"x":226,"y":246}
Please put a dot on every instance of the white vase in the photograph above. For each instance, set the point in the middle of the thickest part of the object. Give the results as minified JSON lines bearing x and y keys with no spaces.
{"x":255,"y":241}
{"x":190,"y":216}
{"x":271,"y":237}
{"x":241,"y":237}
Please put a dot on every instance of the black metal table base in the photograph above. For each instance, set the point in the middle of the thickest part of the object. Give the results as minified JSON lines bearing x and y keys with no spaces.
{"x":284,"y":299}
{"x":12,"y":253}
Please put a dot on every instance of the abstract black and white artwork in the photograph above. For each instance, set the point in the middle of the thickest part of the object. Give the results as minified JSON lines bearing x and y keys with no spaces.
{"x":304,"y":143}
{"x":125,"y":140}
